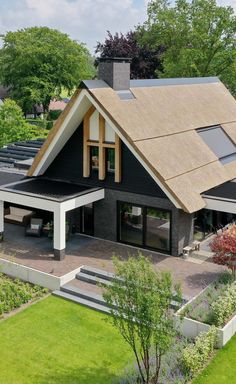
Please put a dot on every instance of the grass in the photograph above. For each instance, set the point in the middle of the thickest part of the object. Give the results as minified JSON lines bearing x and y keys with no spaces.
{"x":222,"y":369}
{"x":56,"y":341}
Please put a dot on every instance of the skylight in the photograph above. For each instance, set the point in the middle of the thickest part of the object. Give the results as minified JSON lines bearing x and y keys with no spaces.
{"x":219,"y":142}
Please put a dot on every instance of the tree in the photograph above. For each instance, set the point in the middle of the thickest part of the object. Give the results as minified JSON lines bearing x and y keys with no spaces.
{"x":224,"y":248}
{"x":144,"y":60}
{"x":140,"y":299}
{"x":199,"y":37}
{"x":37,"y":63}
{"x":13,"y":126}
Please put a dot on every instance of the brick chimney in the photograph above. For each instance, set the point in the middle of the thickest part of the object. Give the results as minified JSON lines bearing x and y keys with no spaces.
{"x":115,"y":71}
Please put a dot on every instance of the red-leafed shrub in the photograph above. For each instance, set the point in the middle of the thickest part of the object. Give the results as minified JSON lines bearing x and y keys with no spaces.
{"x":224,"y":248}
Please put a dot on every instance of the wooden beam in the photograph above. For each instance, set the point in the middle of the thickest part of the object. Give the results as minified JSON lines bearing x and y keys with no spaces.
{"x":102,"y":154}
{"x":117,"y":159}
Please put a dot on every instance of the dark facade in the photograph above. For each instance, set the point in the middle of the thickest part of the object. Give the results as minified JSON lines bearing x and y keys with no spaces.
{"x":68,"y":165}
{"x":136,"y":188}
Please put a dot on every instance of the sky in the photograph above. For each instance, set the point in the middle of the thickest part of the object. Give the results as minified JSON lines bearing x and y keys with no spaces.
{"x":84,"y":20}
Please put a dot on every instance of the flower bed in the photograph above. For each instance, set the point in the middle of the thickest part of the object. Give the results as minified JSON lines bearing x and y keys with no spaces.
{"x":216,"y":305}
{"x":14,"y":293}
{"x":183,"y":361}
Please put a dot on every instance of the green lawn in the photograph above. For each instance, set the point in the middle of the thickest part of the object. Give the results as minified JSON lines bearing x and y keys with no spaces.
{"x":56,"y":341}
{"x":222,"y":369}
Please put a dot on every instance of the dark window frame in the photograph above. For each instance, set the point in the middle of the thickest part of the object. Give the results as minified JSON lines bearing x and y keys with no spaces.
{"x":144,"y":225}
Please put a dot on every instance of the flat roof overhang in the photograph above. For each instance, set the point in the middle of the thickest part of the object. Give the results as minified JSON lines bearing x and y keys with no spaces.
{"x":222,"y":198}
{"x":49,"y":195}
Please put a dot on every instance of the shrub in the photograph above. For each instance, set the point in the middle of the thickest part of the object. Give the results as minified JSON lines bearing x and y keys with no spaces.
{"x":53,"y":115}
{"x":14,"y":293}
{"x":194,"y":356}
{"x":224,"y":306}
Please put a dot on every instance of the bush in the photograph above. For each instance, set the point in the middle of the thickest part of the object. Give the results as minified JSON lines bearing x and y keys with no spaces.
{"x":14,"y":293}
{"x":53,"y":115}
{"x":224,"y":306}
{"x":195,"y":355}
{"x":203,"y":308}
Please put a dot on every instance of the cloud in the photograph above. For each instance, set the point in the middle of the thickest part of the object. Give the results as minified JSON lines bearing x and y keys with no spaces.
{"x":86,"y":21}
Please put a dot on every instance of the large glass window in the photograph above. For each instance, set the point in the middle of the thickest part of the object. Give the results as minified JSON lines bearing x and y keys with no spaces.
{"x":144,"y":226}
{"x":131,"y":224}
{"x":158,"y":229}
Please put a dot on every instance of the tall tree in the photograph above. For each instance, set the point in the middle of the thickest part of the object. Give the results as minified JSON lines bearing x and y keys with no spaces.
{"x":37,"y":63}
{"x":13,"y":126}
{"x":140,"y":299}
{"x":144,"y":60}
{"x":199,"y":37}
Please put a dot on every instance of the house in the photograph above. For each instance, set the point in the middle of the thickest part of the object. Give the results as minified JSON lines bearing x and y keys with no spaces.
{"x":151,"y":163}
{"x":3,"y":93}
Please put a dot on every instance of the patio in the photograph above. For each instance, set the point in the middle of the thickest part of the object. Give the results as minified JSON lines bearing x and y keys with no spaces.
{"x":81,"y":250}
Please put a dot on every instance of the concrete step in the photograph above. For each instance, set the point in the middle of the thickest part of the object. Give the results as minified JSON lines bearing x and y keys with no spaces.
{"x":81,"y":301}
{"x":201,"y":255}
{"x":92,"y":279}
{"x":98,"y":273}
{"x":87,"y":295}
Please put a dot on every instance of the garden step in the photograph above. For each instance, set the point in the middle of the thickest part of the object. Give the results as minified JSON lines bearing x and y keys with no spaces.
{"x":81,"y":301}
{"x":92,"y":279}
{"x":97,"y":272}
{"x":87,"y":295}
{"x":201,"y":255}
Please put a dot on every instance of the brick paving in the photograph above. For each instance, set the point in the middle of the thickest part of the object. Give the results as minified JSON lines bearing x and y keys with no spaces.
{"x":83,"y":250}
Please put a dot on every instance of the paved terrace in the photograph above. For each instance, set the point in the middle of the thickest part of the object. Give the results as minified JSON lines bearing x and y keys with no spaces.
{"x":83,"y":250}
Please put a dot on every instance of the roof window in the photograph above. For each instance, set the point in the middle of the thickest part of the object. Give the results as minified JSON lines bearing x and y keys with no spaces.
{"x":219,"y":142}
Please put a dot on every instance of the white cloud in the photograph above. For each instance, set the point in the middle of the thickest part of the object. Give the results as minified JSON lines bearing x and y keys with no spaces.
{"x":84,"y":20}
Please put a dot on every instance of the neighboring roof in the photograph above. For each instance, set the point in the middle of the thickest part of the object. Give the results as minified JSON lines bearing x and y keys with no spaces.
{"x":15,"y":153}
{"x":57,"y":105}
{"x":160,"y":124}
{"x":3,"y":92}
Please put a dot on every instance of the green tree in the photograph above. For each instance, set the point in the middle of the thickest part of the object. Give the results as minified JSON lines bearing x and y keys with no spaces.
{"x":13,"y":126}
{"x":37,"y":63}
{"x":198,"y":36}
{"x":140,"y":299}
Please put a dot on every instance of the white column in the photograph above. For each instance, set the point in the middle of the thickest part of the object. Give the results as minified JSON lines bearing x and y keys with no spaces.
{"x":59,"y":233}
{"x":1,"y":219}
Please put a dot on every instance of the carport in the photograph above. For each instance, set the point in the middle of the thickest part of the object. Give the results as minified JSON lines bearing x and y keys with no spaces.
{"x":54,"y":196}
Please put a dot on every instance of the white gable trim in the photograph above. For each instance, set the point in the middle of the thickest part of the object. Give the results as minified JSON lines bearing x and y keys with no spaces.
{"x":76,"y":114}
{"x":68,"y":127}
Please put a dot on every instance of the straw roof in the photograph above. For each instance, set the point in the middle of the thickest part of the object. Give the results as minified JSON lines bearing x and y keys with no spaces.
{"x":160,"y":124}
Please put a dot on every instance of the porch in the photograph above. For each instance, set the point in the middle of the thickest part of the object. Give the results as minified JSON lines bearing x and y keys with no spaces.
{"x":82,"y":250}
{"x":56,"y":197}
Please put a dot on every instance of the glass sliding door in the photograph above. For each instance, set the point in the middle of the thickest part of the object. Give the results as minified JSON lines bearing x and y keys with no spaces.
{"x":157,"y":229}
{"x":87,"y":219}
{"x":144,"y":226}
{"x":131,"y":224}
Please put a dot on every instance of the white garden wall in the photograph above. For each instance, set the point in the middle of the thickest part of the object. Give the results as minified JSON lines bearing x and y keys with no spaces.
{"x":191,"y":328}
{"x":34,"y":276}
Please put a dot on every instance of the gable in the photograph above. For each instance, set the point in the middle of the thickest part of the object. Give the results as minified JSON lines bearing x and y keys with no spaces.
{"x":159,"y":126}
{"x":68,"y":165}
